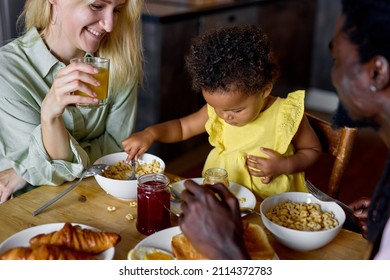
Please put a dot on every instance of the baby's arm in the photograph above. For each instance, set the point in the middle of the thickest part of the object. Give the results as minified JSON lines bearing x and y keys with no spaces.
{"x":167,"y":132}
{"x":307,"y":151}
{"x":307,"y":148}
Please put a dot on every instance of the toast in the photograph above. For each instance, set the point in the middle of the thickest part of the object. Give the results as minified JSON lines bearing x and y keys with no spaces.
{"x":255,"y":238}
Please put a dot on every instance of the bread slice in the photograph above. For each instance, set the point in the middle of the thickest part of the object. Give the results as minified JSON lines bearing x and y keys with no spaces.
{"x":257,"y":243}
{"x":183,"y":249}
{"x":255,"y":238}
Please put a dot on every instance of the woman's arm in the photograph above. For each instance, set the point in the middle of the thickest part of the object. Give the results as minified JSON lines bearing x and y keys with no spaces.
{"x":75,"y":76}
{"x":22,"y":90}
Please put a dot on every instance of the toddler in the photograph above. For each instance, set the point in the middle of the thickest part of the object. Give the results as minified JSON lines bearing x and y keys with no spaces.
{"x":265,"y":143}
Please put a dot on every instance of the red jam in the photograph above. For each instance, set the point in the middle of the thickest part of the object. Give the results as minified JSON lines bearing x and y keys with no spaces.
{"x":153,"y":203}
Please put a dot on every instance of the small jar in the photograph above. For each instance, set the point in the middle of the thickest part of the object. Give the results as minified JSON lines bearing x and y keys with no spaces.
{"x":216,"y":175}
{"x":153,"y":203}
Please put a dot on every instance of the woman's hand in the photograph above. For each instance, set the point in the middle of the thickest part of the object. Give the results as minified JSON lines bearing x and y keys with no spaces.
{"x":360,"y":208}
{"x":211,"y":220}
{"x":268,"y":168}
{"x":75,"y":76}
{"x":10,"y":182}
{"x":137,"y":144}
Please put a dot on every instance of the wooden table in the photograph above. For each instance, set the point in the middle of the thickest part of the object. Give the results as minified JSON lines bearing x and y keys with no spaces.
{"x":87,"y":204}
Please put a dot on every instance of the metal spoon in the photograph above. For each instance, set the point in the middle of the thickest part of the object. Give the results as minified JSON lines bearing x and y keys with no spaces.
{"x":175,"y":195}
{"x":132,"y":177}
{"x":90,"y":171}
{"x":247,"y":210}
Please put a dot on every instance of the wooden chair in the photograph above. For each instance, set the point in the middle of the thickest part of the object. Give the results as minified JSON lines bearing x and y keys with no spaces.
{"x":337,"y":144}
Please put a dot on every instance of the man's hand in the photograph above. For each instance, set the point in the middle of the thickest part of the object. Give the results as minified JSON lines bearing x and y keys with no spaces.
{"x":211,"y":220}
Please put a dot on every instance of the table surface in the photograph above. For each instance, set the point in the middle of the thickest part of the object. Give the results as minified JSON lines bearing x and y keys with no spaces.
{"x":87,"y":204}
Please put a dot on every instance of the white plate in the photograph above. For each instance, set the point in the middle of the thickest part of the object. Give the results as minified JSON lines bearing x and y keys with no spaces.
{"x":242,"y":193}
{"x":22,"y":238}
{"x":161,"y":239}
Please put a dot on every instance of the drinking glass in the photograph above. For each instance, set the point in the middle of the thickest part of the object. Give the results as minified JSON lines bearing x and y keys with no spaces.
{"x":103,"y":65}
{"x":153,"y":203}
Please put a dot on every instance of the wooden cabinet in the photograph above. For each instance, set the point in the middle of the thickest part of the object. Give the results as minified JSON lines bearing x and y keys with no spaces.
{"x":290,"y":25}
{"x":166,"y":92}
{"x":237,"y":16}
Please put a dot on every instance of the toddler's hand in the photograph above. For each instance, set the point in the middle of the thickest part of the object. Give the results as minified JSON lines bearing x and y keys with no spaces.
{"x":137,"y":144}
{"x":269,"y":167}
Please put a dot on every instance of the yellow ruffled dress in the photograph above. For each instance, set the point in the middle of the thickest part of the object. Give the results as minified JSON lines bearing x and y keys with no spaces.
{"x":273,"y":129}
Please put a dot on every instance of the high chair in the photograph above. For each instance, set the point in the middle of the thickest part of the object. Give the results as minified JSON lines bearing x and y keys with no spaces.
{"x":337,"y":147}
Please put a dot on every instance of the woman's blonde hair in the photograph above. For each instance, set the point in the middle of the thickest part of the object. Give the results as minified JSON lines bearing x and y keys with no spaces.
{"x":123,"y":45}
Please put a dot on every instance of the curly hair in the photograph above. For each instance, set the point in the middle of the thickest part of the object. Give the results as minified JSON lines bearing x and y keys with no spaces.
{"x":232,"y":58}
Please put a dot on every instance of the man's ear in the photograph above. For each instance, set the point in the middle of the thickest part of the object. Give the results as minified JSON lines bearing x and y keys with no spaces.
{"x":379,"y":72}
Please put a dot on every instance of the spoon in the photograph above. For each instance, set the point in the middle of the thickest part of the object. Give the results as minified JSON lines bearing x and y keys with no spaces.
{"x":90,"y":171}
{"x":247,"y":210}
{"x":132,"y":177}
{"x":175,"y":195}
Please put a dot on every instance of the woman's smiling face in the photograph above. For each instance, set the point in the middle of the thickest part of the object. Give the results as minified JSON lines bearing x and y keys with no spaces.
{"x":79,"y":26}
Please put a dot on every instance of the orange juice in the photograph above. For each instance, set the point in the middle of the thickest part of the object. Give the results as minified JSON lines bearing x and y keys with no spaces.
{"x":103,"y":65}
{"x":102,"y":90}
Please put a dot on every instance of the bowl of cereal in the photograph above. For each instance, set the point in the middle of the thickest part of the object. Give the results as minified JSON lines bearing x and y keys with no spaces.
{"x":115,"y":179}
{"x":300,"y":221}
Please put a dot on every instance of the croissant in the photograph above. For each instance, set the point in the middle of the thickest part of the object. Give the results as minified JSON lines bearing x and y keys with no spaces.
{"x":78,"y":239}
{"x":45,"y":252}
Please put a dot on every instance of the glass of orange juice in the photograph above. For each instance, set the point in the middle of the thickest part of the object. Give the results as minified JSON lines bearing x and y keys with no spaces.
{"x":103,"y":65}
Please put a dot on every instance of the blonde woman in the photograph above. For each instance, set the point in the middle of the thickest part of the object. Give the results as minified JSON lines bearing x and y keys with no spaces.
{"x":45,"y":139}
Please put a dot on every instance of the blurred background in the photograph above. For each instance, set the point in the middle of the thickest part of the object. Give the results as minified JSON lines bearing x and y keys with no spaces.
{"x":9,"y":12}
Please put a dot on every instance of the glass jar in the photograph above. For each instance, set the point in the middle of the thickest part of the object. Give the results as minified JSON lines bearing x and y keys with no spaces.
{"x":216,"y":175}
{"x":153,"y":203}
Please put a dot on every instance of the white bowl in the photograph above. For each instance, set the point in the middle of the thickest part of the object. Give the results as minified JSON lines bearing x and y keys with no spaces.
{"x":123,"y":189}
{"x":298,"y":239}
